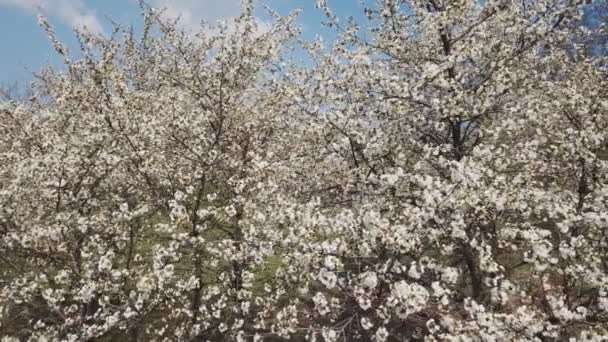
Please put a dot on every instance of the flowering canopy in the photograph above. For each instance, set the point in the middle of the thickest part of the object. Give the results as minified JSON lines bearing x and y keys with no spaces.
{"x":438,"y":173}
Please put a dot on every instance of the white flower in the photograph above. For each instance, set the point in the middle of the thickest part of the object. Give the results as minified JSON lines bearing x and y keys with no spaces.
{"x":366,"y":324}
{"x":330,"y":262}
{"x":450,"y":275}
{"x":410,"y":298}
{"x":245,"y":307}
{"x":328,"y":278}
{"x":145,"y":284}
{"x":62,"y":277}
{"x":364,"y":302}
{"x":105,"y":262}
{"x":321,"y":303}
{"x":369,"y":280}
{"x":129,"y":313}
{"x":329,"y":335}
{"x":413,"y":272}
{"x":381,"y":334}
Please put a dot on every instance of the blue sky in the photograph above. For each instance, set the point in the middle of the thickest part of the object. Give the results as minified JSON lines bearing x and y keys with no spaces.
{"x":26,"y":48}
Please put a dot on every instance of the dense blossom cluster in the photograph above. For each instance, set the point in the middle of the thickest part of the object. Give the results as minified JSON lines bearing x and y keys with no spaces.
{"x":438,"y":173}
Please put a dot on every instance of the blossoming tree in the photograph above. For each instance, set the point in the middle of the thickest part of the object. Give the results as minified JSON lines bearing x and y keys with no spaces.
{"x":439,"y":172}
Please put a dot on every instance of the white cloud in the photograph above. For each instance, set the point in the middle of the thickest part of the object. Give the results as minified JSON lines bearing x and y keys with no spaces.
{"x":71,"y":12}
{"x":191,"y":12}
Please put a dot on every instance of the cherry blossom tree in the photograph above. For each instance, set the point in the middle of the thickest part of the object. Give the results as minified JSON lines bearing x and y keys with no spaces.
{"x":452,"y":176}
{"x":438,"y":172}
{"x":122,"y":195}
